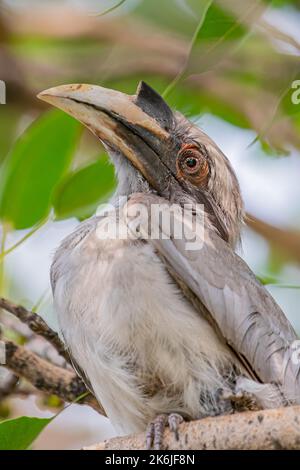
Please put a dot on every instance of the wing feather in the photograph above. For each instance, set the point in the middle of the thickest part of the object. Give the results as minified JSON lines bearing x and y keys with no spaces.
{"x":245,"y":313}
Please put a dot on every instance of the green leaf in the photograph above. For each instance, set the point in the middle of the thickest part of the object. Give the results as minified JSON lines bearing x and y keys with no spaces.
{"x":219,"y":23}
{"x":8,"y":123}
{"x":82,"y":191}
{"x":180,"y":75}
{"x":216,"y":27}
{"x":34,"y":167}
{"x":222,"y":32}
{"x":20,"y":433}
{"x":171,"y":16}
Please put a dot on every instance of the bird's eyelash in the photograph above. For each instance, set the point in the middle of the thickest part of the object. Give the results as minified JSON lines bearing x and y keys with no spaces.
{"x":180,"y":131}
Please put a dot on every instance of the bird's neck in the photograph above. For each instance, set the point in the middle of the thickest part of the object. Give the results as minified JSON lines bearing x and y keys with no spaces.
{"x":129,"y":180}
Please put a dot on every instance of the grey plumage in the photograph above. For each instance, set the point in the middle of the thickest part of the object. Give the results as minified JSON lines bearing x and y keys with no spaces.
{"x":244,"y":312}
{"x":154,"y":327}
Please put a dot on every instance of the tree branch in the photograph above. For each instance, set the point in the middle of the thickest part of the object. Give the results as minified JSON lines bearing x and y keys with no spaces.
{"x":48,"y":378}
{"x":251,"y":430}
{"x":37,"y":325}
{"x":288,"y":241}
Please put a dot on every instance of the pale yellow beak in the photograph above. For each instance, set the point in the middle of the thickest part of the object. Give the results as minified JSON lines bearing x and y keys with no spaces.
{"x":114,"y":118}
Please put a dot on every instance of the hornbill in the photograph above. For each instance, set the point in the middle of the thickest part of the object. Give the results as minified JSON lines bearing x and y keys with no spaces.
{"x":161,"y":332}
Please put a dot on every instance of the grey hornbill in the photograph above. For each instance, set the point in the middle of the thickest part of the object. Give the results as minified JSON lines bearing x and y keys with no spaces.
{"x":160,"y":331}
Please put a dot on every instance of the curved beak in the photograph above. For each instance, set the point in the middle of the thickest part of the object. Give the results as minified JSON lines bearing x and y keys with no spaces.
{"x":138,"y":126}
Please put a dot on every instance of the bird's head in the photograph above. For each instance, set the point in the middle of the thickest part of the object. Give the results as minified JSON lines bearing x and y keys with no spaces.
{"x":156,"y":149}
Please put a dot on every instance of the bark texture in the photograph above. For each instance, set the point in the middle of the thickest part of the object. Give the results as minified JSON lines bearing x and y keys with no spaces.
{"x":252,"y":430}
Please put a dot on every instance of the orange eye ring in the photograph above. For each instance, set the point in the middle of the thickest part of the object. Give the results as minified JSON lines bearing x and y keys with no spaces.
{"x":192,"y":164}
{"x":190,"y":160}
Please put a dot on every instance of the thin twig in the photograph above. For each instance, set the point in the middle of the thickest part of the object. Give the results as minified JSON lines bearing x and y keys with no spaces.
{"x":275,"y":33}
{"x":288,"y":241}
{"x":270,"y":120}
{"x":209,"y":50}
{"x":23,"y":239}
{"x":48,"y":378}
{"x":180,"y":75}
{"x":37,"y":325}
{"x":41,"y":300}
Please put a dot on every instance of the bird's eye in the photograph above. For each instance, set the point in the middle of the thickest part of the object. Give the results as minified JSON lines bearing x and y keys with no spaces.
{"x":190,"y":159}
{"x":192,"y":164}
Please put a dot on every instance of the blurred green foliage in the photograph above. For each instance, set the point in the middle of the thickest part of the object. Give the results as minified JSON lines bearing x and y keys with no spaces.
{"x":80,"y":192}
{"x":38,"y":160}
{"x":220,"y":57}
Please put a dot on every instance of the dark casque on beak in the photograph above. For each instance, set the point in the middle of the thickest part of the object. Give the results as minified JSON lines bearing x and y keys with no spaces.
{"x":137,"y":127}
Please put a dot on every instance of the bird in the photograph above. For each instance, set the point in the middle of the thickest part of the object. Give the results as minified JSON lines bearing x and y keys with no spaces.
{"x":162,"y":332}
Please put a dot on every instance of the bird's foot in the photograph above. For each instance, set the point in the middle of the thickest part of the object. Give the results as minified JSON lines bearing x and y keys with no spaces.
{"x":241,"y":400}
{"x":155,"y":430}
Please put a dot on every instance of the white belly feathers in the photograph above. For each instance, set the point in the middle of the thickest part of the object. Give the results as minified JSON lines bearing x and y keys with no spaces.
{"x":141,"y":344}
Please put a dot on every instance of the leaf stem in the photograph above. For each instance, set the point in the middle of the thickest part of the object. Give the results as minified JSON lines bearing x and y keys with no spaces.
{"x":110,"y":9}
{"x":40,"y":301}
{"x":262,"y":134}
{"x":4,"y":252}
{"x":179,"y":76}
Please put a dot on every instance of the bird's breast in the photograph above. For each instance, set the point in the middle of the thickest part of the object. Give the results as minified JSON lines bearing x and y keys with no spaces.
{"x":128,"y":325}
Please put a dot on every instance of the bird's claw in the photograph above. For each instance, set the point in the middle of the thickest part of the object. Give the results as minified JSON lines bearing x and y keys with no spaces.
{"x":174,"y":419}
{"x":155,"y":430}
